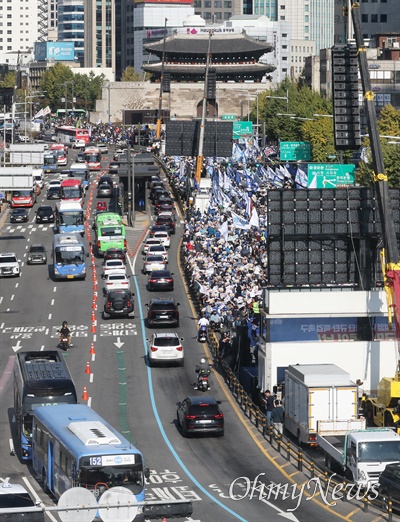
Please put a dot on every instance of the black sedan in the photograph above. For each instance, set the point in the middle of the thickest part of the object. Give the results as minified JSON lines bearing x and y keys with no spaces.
{"x":45,"y":214}
{"x":19,"y":215}
{"x":200,"y":414}
{"x":160,"y":280}
{"x":37,"y":255}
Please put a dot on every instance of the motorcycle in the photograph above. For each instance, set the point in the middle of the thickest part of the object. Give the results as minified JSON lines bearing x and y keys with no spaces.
{"x":64,"y":341}
{"x":203,"y":383}
{"x":202,"y":335}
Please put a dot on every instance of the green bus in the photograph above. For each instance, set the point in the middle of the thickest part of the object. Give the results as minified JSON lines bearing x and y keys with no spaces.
{"x":110,"y":232}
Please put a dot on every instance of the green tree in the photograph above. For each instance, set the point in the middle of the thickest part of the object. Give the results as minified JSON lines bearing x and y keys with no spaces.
{"x":130,"y":75}
{"x":9,"y":80}
{"x":59,"y":80}
{"x":388,"y":125}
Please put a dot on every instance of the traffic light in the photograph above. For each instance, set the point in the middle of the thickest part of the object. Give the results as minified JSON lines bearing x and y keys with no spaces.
{"x":166,"y":87}
{"x":212,"y":84}
{"x":346,"y":106}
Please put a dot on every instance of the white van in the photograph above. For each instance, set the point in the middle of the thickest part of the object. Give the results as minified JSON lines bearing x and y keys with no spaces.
{"x":38,"y":177}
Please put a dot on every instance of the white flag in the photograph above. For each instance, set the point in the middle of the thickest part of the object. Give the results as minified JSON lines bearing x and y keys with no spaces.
{"x":254,"y":220}
{"x":224,"y":230}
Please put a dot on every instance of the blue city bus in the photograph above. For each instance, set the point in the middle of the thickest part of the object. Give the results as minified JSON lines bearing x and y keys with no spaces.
{"x":40,"y":379}
{"x":73,"y":446}
{"x":69,"y":256}
{"x":70,"y":217}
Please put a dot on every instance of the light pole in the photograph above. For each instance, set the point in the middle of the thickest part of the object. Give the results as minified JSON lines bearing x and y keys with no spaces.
{"x":249,"y":97}
{"x":38,"y":94}
{"x":282,"y":98}
{"x":69,"y":82}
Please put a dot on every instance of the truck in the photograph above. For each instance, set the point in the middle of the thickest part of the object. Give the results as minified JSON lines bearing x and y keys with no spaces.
{"x":360,"y":455}
{"x":320,"y":398}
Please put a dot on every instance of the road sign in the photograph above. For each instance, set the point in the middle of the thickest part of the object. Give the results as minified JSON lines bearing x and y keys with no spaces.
{"x":229,"y":117}
{"x":295,"y":150}
{"x":242,"y":128}
{"x":330,"y":175}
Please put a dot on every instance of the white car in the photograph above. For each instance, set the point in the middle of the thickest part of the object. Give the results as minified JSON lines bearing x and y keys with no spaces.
{"x":159,"y":250}
{"x":79,"y":144}
{"x":54,"y":183}
{"x":149,"y":242}
{"x":112,"y":266}
{"x":153,"y":262}
{"x":165,"y":347}
{"x":115,"y":280}
{"x":9,"y":265}
{"x":164,"y":237}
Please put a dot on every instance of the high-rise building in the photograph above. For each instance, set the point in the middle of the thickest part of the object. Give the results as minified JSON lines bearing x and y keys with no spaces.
{"x":71,"y":25}
{"x":52,"y":19}
{"x":216,"y":11}
{"x":100,"y":36}
{"x":265,"y":7}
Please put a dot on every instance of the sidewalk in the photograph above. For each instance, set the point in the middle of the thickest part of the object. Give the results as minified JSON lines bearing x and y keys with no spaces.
{"x":136,"y":234}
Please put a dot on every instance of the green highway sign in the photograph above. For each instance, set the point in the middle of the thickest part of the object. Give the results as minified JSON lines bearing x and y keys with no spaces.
{"x":242,"y":128}
{"x":295,"y":150}
{"x":330,"y":175}
{"x":228,"y":117}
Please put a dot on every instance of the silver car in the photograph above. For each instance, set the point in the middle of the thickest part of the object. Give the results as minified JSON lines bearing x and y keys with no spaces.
{"x":104,"y":191}
{"x":153,"y":262}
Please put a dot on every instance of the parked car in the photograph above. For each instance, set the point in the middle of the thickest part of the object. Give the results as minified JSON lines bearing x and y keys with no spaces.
{"x":200,"y":414}
{"x":37,"y":254}
{"x":119,"y":303}
{"x":114,"y":281}
{"x":162,"y":312}
{"x":19,"y":215}
{"x":160,"y":280}
{"x":45,"y":214}
{"x":165,"y":348}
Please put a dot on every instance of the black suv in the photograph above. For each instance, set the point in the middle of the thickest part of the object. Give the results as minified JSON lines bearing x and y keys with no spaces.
{"x":389,"y":486}
{"x":168,"y":222}
{"x":45,"y":214}
{"x":119,"y":303}
{"x":162,"y":311}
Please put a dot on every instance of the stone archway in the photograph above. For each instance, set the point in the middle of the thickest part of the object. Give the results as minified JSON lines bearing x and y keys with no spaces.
{"x":212,"y":109}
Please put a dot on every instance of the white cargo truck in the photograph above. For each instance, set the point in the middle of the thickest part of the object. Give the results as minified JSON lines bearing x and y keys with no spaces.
{"x":320,"y":395}
{"x":360,"y":455}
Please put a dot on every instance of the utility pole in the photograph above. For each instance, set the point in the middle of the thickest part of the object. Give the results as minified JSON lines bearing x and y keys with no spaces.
{"x":199,"y":163}
{"x":159,"y":116}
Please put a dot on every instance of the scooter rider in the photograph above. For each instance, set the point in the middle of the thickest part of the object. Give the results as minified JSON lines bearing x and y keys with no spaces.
{"x":204,"y":368}
{"x":203,"y":323}
{"x":65,"y":332}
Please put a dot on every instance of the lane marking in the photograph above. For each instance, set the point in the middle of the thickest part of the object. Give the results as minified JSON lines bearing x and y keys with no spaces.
{"x":42,"y":348}
{"x":49,"y":316}
{"x":52,"y":302}
{"x":55,"y":289}
{"x":16,"y":285}
{"x":91,"y":377}
{"x":11,"y":444}
{"x":12,"y":298}
{"x":89,"y":402}
{"x":34,"y":494}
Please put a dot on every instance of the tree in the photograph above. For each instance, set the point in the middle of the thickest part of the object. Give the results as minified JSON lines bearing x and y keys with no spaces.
{"x":10,"y":80}
{"x":130,"y":75}
{"x":58,"y":82}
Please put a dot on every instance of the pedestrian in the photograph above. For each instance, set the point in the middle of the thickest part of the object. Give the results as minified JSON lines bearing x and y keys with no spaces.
{"x":141,"y":205}
{"x":277,"y":415}
{"x":268,"y":401}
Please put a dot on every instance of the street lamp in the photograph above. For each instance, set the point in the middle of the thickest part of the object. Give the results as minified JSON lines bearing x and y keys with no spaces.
{"x":69,"y":82}
{"x":282,"y":98}
{"x":37,"y":94}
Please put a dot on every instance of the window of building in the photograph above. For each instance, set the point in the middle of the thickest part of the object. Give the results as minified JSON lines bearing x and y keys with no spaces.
{"x":284,"y":35}
{"x":218,"y":4}
{"x":364,"y":18}
{"x":218,"y":15}
{"x":282,"y":18}
{"x":383,"y":18}
{"x":207,"y":16}
{"x":282,"y":7}
{"x":284,"y":58}
{"x":197,"y":3}
{"x":374,"y":18}
{"x":227,"y":15}
{"x":227,"y":5}
{"x":9,"y":47}
{"x":207,"y":3}
{"x":284,"y":46}
{"x":306,"y":19}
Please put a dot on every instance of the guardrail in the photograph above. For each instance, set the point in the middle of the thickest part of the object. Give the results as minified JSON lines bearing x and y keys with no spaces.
{"x":282,"y":444}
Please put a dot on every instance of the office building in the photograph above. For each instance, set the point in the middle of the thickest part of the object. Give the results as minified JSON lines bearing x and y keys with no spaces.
{"x":100,"y":34}
{"x":218,"y":11}
{"x":71,"y":25}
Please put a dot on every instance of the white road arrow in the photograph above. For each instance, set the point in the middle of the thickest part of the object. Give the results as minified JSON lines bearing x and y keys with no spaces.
{"x":17,"y":346}
{"x":118,"y":344}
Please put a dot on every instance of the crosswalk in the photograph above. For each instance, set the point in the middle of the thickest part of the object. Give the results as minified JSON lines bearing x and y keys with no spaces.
{"x":11,"y":227}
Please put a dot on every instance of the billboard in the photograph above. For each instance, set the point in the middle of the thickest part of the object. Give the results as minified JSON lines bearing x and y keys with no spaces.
{"x":58,"y":51}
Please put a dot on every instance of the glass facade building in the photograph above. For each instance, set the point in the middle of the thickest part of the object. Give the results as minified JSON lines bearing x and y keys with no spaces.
{"x":71,"y":25}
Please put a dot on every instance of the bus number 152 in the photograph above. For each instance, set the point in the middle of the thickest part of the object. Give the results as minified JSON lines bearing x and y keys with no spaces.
{"x":95,"y":461}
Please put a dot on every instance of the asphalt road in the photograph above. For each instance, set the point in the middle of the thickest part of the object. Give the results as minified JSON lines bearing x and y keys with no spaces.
{"x":139,"y":401}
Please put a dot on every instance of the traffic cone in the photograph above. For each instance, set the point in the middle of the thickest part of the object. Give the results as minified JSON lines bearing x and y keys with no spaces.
{"x":87,"y":370}
{"x":85,"y":395}
{"x":93,"y":330}
{"x":92,"y":350}
{"x":95,"y":285}
{"x":94,"y":305}
{"x":93,"y":316}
